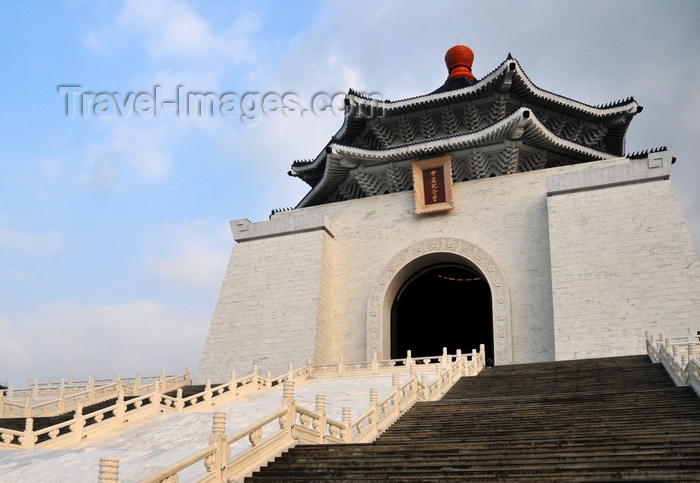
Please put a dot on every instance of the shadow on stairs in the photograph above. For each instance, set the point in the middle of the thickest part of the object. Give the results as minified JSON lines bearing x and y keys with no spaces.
{"x":583,"y":420}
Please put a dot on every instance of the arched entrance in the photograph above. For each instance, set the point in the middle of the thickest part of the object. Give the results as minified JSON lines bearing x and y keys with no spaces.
{"x":442,"y":305}
{"x":418,"y":258}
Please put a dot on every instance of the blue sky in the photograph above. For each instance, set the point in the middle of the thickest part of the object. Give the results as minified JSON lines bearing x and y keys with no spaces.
{"x":114,"y":229}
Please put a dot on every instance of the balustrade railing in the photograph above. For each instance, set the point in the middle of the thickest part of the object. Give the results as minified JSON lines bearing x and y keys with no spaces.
{"x":134,"y":402}
{"x":225,"y":460}
{"x":680,"y":356}
{"x":141,"y":398}
{"x":48,"y":399}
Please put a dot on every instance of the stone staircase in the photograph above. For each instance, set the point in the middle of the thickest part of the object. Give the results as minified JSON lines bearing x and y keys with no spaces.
{"x":617,"y":418}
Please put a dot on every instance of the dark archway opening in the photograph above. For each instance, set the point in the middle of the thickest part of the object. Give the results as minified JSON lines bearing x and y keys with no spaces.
{"x":445,"y":305}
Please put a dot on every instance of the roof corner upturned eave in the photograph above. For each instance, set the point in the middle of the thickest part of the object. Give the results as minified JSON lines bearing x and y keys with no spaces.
{"x":336,"y":154}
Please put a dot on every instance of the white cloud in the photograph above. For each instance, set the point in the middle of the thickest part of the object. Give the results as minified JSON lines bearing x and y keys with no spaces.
{"x":13,"y":353}
{"x":64,"y":338}
{"x":171,"y":30}
{"x":16,"y":239}
{"x":192,"y":254}
{"x":133,"y":152}
{"x":17,"y":275}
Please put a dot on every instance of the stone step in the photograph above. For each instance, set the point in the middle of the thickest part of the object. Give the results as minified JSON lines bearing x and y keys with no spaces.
{"x":577,"y":475}
{"x":594,"y":420}
{"x":437,"y":460}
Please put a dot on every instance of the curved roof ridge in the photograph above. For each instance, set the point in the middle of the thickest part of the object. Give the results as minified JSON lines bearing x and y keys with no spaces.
{"x":476,"y":137}
{"x":504,"y":124}
{"x":573,"y":102}
{"x":565,"y":143}
{"x":523,"y":119}
{"x":510,"y":64}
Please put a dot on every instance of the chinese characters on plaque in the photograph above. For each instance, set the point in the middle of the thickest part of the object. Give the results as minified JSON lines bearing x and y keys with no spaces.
{"x":432,"y":184}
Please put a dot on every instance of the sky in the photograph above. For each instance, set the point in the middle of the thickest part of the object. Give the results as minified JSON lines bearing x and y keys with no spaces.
{"x":115,"y":197}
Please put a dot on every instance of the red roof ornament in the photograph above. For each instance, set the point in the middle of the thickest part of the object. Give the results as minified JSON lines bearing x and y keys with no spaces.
{"x":459,"y":60}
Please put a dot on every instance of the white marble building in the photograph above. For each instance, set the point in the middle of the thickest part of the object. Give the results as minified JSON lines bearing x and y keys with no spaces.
{"x":551,"y":243}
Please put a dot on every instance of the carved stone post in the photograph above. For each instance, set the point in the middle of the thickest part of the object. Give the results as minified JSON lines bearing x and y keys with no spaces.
{"x":109,"y":470}
{"x":287,"y":421}
{"x":120,"y":410}
{"x":61,"y":396}
{"x":676,"y":350}
{"x":218,"y":427}
{"x":374,"y":407}
{"x":179,"y":403}
{"x":347,"y":431}
{"x":78,"y":423}
{"x":216,"y":463}
{"x":424,"y":391}
{"x":207,"y":391}
{"x":438,"y":380}
{"x":395,"y":392}
{"x":28,"y":439}
{"x":321,"y":410}
{"x":287,"y":392}
{"x":119,"y":386}
{"x":156,"y":398}
{"x":254,"y":378}
{"x":693,"y":350}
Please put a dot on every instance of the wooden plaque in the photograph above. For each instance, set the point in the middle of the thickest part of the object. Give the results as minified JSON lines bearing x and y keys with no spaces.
{"x":432,"y":184}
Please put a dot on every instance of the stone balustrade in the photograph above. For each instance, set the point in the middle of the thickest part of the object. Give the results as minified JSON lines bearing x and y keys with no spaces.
{"x":140,"y":405}
{"x":48,"y":399}
{"x":680,"y":356}
{"x":291,"y":424}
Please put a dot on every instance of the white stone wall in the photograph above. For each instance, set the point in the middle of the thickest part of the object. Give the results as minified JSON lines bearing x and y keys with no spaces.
{"x":268,"y":307}
{"x":621,"y":262}
{"x":511,"y":229}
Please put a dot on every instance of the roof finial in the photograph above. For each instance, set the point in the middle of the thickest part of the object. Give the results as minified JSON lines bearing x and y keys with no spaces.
{"x":459,"y":60}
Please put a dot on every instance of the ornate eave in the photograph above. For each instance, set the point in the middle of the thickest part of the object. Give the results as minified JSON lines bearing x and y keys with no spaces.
{"x":518,"y":143}
{"x":508,"y":77}
{"x":481,"y":118}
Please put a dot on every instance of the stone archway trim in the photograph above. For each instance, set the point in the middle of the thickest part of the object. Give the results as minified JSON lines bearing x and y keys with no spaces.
{"x":378,"y":327}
